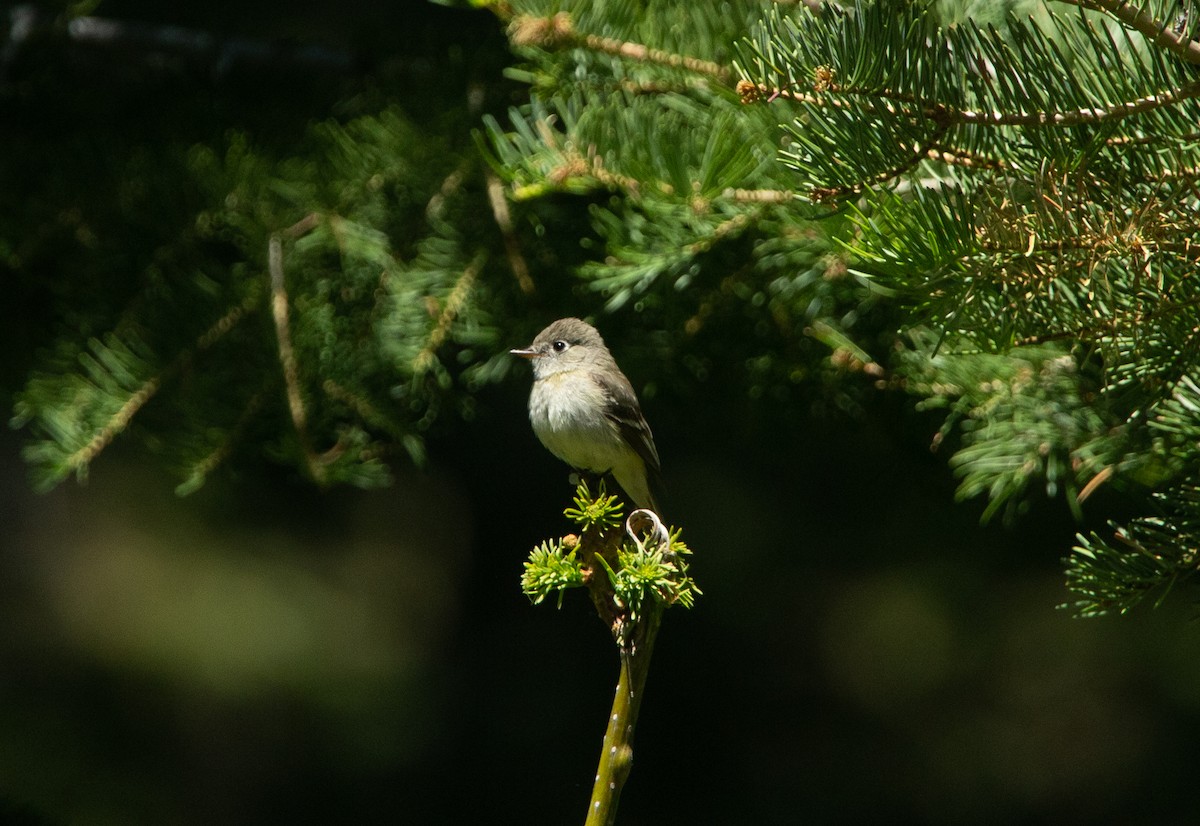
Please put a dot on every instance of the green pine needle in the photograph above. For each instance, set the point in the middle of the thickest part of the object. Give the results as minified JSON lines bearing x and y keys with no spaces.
{"x":600,"y":511}
{"x":658,"y":574}
{"x":551,"y":568}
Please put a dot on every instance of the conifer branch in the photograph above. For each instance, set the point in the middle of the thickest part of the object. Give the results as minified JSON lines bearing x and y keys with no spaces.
{"x":1156,"y":31}
{"x":1076,"y":117}
{"x":450,"y":184}
{"x":721,"y":231}
{"x":512,"y":247}
{"x":956,"y":156}
{"x":225,"y":323}
{"x":116,"y":423}
{"x":919,"y":154}
{"x":661,"y":87}
{"x":362,"y":407}
{"x":450,"y":310}
{"x":1113,"y":574}
{"x":283,"y":336}
{"x":1141,"y":140}
{"x":751,"y":92}
{"x":882,"y":101}
{"x":1133,"y":321}
{"x":759,"y":196}
{"x":573,"y":166}
{"x":558,"y":32}
{"x":201,"y":470}
{"x":640,"y":52}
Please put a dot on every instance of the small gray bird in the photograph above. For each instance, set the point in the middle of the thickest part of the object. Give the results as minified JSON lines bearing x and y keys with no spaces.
{"x":585,"y":412}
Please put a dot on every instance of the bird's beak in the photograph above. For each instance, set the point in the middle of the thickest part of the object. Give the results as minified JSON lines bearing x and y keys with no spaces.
{"x":527,"y":353}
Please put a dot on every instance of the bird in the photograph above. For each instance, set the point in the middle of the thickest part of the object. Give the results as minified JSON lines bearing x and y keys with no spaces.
{"x":584,"y":410}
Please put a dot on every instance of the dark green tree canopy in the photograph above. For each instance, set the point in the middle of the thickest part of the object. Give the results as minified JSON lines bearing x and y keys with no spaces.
{"x":991,"y":207}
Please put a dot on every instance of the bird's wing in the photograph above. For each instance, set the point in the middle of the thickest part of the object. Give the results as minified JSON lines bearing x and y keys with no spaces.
{"x":625,"y":412}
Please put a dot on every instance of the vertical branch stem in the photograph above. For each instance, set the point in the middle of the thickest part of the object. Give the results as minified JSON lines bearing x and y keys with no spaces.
{"x":616,"y":756}
{"x":512,"y":246}
{"x":279,"y":312}
{"x":283,"y":335}
{"x":635,"y":629}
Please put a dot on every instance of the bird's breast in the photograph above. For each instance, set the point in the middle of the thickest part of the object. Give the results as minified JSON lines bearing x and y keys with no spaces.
{"x":568,"y":411}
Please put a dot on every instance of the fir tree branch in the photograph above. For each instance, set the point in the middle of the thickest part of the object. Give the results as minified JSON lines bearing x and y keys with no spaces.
{"x":287,"y":355}
{"x":450,"y":184}
{"x":1151,"y":554}
{"x":759,"y":196}
{"x":640,"y":52}
{"x":558,"y":32}
{"x":1112,"y":326}
{"x":283,"y":336}
{"x":919,"y":154}
{"x":1077,"y":117}
{"x":224,"y":324}
{"x":455,"y":302}
{"x":963,"y":157}
{"x":82,"y":457}
{"x":886,"y":102}
{"x":1156,"y":31}
{"x":512,"y":247}
{"x":751,"y":92}
{"x":574,"y":166}
{"x":661,"y":87}
{"x":726,"y":228}
{"x":103,"y":437}
{"x":1140,"y":140}
{"x":199,"y":471}
{"x":593,"y":166}
{"x":362,"y":407}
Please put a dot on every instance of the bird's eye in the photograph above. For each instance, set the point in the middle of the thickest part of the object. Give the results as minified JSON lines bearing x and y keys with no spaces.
{"x":559,"y":346}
